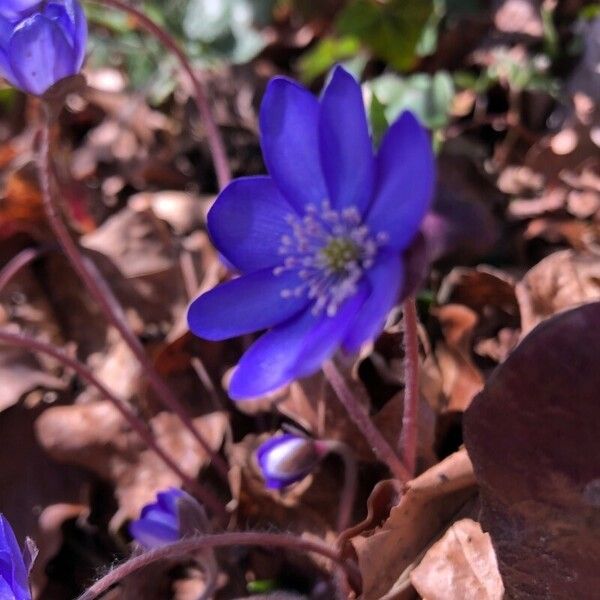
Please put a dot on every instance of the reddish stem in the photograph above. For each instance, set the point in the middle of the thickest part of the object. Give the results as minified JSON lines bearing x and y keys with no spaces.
{"x":219,"y":540}
{"x":18,"y":262}
{"x":359,"y":415}
{"x":213,"y":135}
{"x":29,"y":343}
{"x":101,"y":293}
{"x":410,"y":418}
{"x":348,"y":493}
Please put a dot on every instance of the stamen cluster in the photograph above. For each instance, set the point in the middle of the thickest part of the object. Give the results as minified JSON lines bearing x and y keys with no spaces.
{"x":330,"y":250}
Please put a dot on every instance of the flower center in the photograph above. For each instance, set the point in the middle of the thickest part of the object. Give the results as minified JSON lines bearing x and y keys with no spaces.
{"x":338,"y":253}
{"x":330,"y":250}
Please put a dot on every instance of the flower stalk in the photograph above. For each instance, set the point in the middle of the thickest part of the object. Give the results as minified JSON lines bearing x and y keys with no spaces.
{"x":359,"y":415}
{"x":213,"y":135}
{"x":410,"y":417}
{"x":139,"y":426}
{"x":220,"y":540}
{"x":348,"y":493}
{"x":101,"y":293}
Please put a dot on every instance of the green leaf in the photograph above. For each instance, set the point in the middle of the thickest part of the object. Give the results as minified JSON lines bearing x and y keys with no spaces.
{"x":325,"y":54}
{"x":261,"y":586}
{"x":377,"y":119}
{"x":390,"y":30}
{"x":429,"y":98}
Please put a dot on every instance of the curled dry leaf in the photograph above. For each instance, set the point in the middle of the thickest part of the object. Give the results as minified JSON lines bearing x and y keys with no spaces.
{"x":95,"y":436}
{"x":460,"y":377}
{"x":430,"y":503}
{"x":560,"y":281}
{"x":460,"y":566}
{"x":532,"y":436}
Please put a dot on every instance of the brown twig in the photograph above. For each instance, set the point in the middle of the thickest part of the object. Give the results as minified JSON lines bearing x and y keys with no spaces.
{"x":359,"y":415}
{"x":219,"y":540}
{"x":213,"y":135}
{"x":101,"y":293}
{"x":24,"y":341}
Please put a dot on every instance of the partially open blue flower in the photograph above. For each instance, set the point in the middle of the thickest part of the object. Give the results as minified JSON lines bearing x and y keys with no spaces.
{"x":159,"y":523}
{"x":320,"y":242}
{"x":41,"y":42}
{"x":287,"y":458}
{"x":14,"y":575}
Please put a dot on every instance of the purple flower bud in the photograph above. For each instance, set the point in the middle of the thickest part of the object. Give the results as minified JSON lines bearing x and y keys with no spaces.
{"x":13,"y":572}
{"x":41,"y":42}
{"x":287,"y":458}
{"x":160,"y":522}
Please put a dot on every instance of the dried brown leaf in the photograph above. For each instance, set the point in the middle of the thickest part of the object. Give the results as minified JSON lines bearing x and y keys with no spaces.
{"x":460,"y":566}
{"x":560,"y":281}
{"x":97,"y":437}
{"x":532,"y":436}
{"x":429,"y":504}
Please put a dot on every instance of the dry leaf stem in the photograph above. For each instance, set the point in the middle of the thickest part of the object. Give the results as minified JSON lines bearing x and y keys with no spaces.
{"x":219,"y":540}
{"x":104,"y":297}
{"x":138,"y":425}
{"x":18,"y":262}
{"x":410,"y":418}
{"x":359,"y":415}
{"x":213,"y":135}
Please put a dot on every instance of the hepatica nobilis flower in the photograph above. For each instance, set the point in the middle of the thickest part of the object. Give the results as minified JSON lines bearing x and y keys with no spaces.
{"x":159,"y":523}
{"x":41,"y":42}
{"x":320,"y":243}
{"x":288,"y":458}
{"x":14,"y":575}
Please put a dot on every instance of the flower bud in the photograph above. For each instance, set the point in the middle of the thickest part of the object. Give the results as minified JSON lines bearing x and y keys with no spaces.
{"x":41,"y":42}
{"x":174,"y":515}
{"x":14,"y":573}
{"x":287,"y":458}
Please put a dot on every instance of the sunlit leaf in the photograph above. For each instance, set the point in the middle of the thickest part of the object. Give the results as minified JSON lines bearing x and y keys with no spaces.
{"x":390,"y":30}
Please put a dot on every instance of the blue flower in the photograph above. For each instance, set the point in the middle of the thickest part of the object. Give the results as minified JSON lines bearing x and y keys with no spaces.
{"x":287,"y":458}
{"x":13,"y":572}
{"x":321,"y":242}
{"x":159,"y":523}
{"x":41,"y":42}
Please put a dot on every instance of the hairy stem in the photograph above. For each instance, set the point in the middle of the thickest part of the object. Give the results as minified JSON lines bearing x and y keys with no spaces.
{"x":101,"y":293}
{"x":348,"y":493}
{"x":219,"y":540}
{"x":213,"y":135}
{"x":410,"y":418}
{"x":23,"y":341}
{"x":359,"y":415}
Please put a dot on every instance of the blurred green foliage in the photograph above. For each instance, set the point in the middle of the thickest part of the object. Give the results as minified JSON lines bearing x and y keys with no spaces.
{"x":428,"y":97}
{"x":210,"y":30}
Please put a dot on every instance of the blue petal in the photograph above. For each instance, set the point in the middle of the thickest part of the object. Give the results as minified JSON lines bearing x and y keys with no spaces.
{"x":15,"y":10}
{"x":12,"y":568}
{"x":156,"y":514}
{"x":40,"y":54}
{"x":405,"y":182}
{"x":250,"y":303}
{"x":69,"y":15}
{"x":292,"y":350}
{"x":345,"y":144}
{"x":385,"y":279}
{"x":6,"y":29}
{"x":289,"y":117}
{"x":247,"y":221}
{"x":168,"y":500}
{"x":152,"y":534}
{"x":6,"y":592}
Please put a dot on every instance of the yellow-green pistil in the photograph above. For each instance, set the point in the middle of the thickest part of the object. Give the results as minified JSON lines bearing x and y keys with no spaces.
{"x":339,"y":253}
